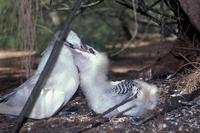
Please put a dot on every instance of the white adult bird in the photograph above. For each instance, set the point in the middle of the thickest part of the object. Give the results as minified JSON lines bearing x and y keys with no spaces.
{"x":60,"y":86}
{"x":102,"y":94}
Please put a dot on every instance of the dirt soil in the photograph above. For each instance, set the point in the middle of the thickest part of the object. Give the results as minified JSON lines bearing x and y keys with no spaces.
{"x":76,"y":115}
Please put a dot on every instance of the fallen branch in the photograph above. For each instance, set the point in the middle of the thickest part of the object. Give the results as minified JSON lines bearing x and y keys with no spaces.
{"x":95,"y":121}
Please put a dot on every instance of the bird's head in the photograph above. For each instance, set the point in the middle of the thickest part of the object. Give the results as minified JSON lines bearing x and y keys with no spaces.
{"x":89,"y":60}
{"x":86,"y":58}
{"x":73,"y":41}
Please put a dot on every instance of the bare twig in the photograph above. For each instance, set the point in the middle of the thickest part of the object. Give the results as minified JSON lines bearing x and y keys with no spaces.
{"x":95,"y":121}
{"x":154,"y":4}
{"x":186,"y":59}
{"x":181,"y":67}
{"x":188,"y":49}
{"x":145,"y":8}
{"x":193,"y":39}
{"x":164,"y":14}
{"x":139,"y":9}
{"x":126,"y":110}
{"x":59,"y":2}
{"x":151,"y":23}
{"x":135,"y":31}
{"x":92,"y":4}
{"x":82,"y":7}
{"x":118,"y":105}
{"x":162,"y":27}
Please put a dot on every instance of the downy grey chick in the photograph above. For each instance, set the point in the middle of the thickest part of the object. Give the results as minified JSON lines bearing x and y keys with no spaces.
{"x":102,"y":94}
{"x":60,"y":87}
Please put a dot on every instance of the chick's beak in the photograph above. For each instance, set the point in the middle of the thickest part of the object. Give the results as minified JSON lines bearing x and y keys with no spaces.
{"x":83,"y":48}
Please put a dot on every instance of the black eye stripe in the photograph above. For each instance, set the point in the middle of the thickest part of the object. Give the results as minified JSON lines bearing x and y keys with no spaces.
{"x":91,"y":51}
{"x":69,"y":44}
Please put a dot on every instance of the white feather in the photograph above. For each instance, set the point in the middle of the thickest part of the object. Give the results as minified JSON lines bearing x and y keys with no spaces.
{"x":97,"y":89}
{"x":60,"y":87}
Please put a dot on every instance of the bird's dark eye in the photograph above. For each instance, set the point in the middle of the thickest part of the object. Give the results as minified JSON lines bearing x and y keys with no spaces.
{"x":91,"y":51}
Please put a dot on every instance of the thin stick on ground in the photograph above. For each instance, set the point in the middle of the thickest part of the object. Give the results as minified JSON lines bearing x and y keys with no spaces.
{"x":186,"y":59}
{"x":189,"y":83}
{"x":95,"y":121}
{"x":181,"y":67}
{"x":128,"y":99}
{"x":128,"y":109}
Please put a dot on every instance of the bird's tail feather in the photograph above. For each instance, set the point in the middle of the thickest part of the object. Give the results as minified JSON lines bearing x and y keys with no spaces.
{"x":148,"y":94}
{"x":5,"y":108}
{"x":11,"y":110}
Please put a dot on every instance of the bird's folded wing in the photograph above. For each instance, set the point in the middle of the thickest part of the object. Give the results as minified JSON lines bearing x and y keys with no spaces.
{"x":5,"y":97}
{"x":126,"y":87}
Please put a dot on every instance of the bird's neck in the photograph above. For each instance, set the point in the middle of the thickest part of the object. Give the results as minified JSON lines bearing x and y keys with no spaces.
{"x":94,"y":83}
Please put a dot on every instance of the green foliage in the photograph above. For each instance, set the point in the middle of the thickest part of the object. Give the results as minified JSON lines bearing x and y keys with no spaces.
{"x":98,"y":26}
{"x":43,"y":37}
{"x":7,"y":25}
{"x":95,"y":31}
{"x":7,"y":42}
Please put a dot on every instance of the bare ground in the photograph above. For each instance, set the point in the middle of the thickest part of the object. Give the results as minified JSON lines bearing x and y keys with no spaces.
{"x":76,"y":115}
